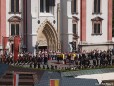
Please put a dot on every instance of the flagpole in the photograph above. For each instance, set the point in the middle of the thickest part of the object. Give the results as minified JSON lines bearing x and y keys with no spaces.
{"x":15,"y":79}
{"x":13,"y":50}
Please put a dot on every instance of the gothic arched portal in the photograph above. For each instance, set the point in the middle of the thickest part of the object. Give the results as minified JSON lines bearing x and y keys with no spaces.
{"x":47,"y":36}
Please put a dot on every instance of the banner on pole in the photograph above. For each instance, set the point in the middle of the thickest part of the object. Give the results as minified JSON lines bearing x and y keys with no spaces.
{"x":16,"y":47}
{"x":4,"y":44}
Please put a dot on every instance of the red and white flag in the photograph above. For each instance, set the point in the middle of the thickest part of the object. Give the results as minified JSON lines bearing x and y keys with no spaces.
{"x":15,"y":79}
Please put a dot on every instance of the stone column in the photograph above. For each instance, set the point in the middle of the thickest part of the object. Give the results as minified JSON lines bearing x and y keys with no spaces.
{"x":58,"y":31}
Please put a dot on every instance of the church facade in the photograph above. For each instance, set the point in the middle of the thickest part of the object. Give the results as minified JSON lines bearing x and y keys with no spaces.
{"x":12,"y":23}
{"x":35,"y":22}
{"x":86,"y":24}
{"x":64,"y":25}
{"x":43,"y":25}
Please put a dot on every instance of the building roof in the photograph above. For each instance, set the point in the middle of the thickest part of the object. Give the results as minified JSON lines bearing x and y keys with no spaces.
{"x":66,"y":78}
{"x":78,"y":82}
{"x":3,"y":69}
{"x":87,"y":72}
{"x":7,"y":78}
{"x":44,"y":81}
{"x":65,"y":81}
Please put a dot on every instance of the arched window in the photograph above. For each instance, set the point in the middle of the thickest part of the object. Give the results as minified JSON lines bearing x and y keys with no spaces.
{"x":75,"y":27}
{"x":15,"y":23}
{"x":14,"y":29}
{"x":97,"y":26}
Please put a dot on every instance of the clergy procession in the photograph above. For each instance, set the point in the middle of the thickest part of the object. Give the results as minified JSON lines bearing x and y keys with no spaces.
{"x":44,"y":58}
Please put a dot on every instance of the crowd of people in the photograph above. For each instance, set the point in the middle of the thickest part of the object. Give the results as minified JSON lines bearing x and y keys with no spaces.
{"x":83,"y":59}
